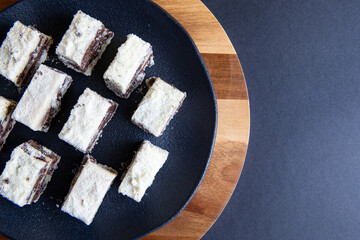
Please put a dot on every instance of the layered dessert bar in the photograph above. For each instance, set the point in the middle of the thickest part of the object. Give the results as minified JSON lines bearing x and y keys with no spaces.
{"x":42,"y":98}
{"x":88,"y":189}
{"x":158,"y":107}
{"x":7,"y":123}
{"x":83,"y":43}
{"x":21,"y":53}
{"x":87,"y":119}
{"x":141,"y":173}
{"x":127,"y":70}
{"x":27,"y":173}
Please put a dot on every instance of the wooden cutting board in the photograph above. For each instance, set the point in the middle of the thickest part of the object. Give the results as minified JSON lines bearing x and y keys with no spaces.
{"x":233,"y":120}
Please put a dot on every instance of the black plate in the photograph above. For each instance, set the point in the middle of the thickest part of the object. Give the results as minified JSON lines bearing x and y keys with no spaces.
{"x":189,"y":138}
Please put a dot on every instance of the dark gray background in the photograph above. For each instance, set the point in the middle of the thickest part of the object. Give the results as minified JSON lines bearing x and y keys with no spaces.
{"x":301,"y":178}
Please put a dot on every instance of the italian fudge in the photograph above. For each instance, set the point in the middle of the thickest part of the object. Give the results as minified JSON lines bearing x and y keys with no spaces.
{"x":42,"y":98}
{"x":27,"y":173}
{"x":7,"y":123}
{"x":158,"y":106}
{"x":87,"y":119}
{"x":127,"y":70}
{"x":88,"y":189}
{"x":21,"y":53}
{"x":141,"y":173}
{"x":83,"y":43}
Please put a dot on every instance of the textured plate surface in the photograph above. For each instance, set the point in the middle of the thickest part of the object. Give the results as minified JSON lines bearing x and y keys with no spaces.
{"x":189,"y":138}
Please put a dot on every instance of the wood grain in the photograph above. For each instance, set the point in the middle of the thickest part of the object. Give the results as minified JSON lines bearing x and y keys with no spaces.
{"x":6,"y":3}
{"x":220,"y":179}
{"x":233,"y":120}
{"x":227,"y":75}
{"x":200,"y":23}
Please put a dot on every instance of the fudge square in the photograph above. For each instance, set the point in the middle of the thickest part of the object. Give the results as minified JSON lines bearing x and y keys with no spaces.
{"x":158,"y":107}
{"x":87,"y":119}
{"x":88,"y":189}
{"x":126,"y":72}
{"x":83,"y":43}
{"x":42,"y":98}
{"x":27,"y":173}
{"x":141,"y":173}
{"x":21,"y":53}
{"x":7,"y":123}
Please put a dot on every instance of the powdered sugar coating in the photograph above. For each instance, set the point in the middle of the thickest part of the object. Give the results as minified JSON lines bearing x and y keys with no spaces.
{"x":7,"y":123}
{"x":83,"y":43}
{"x":42,"y":96}
{"x":130,"y":56}
{"x":23,"y":171}
{"x":86,"y":117}
{"x":6,"y":108}
{"x":158,"y":107}
{"x":17,"y":49}
{"x":88,"y":190}
{"x":142,"y":170}
{"x":78,"y":37}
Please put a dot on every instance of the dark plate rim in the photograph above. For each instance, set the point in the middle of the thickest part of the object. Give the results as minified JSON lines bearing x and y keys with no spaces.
{"x":215,"y":124}
{"x":189,"y":198}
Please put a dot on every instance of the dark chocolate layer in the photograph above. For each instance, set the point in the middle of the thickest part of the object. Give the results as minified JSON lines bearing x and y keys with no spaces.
{"x":45,"y":172}
{"x":151,"y":82}
{"x":135,"y":81}
{"x":5,"y":131}
{"x":93,"y":51}
{"x":41,"y":186}
{"x":95,"y":48}
{"x":34,"y":61}
{"x":110,"y":113}
{"x":55,"y":108}
{"x":93,"y":160}
{"x":42,"y":149}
